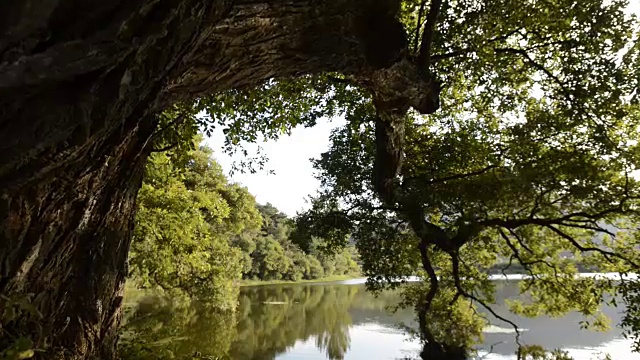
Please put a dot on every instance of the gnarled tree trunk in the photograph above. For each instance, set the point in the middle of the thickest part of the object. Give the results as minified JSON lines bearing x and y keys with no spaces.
{"x":81,"y":83}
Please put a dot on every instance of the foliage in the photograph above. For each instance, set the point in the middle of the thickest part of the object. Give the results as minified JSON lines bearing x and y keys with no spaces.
{"x":184,"y":219}
{"x":530,"y":161}
{"x":538,"y":353}
{"x":22,"y":348}
{"x":198,"y":234}
{"x":535,"y":352}
{"x":273,"y":255}
{"x":17,"y":346}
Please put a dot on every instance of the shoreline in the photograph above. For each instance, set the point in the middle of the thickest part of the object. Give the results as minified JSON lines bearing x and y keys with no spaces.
{"x":334,"y":278}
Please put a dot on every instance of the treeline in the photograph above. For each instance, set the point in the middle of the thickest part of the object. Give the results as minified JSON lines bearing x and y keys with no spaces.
{"x":270,"y":254}
{"x":198,"y":234}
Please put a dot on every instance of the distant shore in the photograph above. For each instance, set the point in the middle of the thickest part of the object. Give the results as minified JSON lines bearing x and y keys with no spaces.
{"x":334,"y":278}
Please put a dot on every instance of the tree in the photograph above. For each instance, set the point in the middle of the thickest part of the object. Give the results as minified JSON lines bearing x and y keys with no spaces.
{"x":184,"y":220}
{"x":530,"y":160}
{"x":83,"y":88}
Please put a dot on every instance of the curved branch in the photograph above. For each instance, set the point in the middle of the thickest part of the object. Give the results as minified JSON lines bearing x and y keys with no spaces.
{"x":457,"y":176}
{"x":520,"y":241}
{"x":459,"y":52}
{"x":165,"y":148}
{"x":526,"y":264}
{"x":171,"y":124}
{"x":455,"y":267}
{"x":575,"y":220}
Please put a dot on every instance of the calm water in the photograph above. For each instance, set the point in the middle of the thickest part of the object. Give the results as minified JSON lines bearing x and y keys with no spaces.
{"x":343,"y":321}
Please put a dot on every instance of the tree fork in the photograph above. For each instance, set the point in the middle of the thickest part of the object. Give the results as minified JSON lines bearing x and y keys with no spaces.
{"x":80,"y":86}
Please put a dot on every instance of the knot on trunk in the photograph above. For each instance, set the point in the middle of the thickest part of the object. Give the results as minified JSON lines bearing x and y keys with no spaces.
{"x":404,"y":85}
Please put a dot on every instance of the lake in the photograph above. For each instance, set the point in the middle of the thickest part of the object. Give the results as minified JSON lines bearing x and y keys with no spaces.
{"x":341,"y":320}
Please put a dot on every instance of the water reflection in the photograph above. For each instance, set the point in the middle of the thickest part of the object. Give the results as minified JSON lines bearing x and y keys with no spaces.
{"x":326,"y":321}
{"x":550,"y":332}
{"x":273,"y":318}
{"x":161,"y":328}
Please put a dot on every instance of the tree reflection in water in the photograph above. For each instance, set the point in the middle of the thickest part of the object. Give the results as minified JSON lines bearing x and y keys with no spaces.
{"x":270,"y":320}
{"x":292,"y":314}
{"x":162,"y":328}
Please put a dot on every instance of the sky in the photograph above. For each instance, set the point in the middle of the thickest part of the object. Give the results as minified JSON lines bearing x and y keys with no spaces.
{"x":288,"y":189}
{"x":289,"y":157}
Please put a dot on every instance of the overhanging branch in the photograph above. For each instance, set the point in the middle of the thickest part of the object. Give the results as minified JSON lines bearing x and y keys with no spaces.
{"x":607,"y":254}
{"x":526,"y":264}
{"x":165,"y":148}
{"x":455,"y":267}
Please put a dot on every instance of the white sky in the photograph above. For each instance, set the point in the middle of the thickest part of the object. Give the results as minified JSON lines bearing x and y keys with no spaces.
{"x":293,"y":180}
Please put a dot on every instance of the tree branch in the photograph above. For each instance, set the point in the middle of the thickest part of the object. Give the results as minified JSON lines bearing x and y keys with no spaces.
{"x":459,"y":52}
{"x":527,"y":264}
{"x":424,"y":57}
{"x":163,"y":149}
{"x":339,"y":80}
{"x":538,"y":66}
{"x":504,"y":269}
{"x":520,"y":241}
{"x":433,"y":290}
{"x":455,"y":267}
{"x":418,"y":26}
{"x":536,"y":203}
{"x":607,"y":254}
{"x":575,"y":220}
{"x":457,"y":176}
{"x":177,"y":121}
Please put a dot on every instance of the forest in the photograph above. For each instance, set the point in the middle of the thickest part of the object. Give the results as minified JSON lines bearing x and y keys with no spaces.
{"x":479,"y":135}
{"x":199,"y":235}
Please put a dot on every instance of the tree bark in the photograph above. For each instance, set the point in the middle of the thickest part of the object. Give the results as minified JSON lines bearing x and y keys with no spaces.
{"x":81,"y":83}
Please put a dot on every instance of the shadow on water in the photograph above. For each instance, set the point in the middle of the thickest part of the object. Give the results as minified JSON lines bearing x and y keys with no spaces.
{"x":273,"y":320}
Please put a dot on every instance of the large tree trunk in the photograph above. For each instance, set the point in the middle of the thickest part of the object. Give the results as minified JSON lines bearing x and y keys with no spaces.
{"x":80,"y":85}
